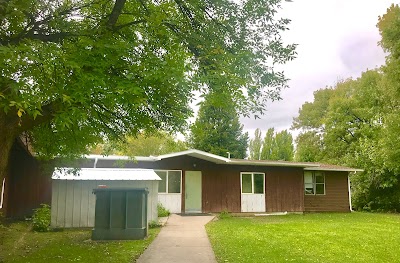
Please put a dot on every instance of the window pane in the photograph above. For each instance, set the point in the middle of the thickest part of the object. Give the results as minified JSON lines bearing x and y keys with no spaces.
{"x":308,"y":189}
{"x":174,"y":181}
{"x":319,"y":189}
{"x":308,"y":178}
{"x":258,"y":183}
{"x":246,"y":184}
{"x":162,"y":185}
{"x":319,"y":178}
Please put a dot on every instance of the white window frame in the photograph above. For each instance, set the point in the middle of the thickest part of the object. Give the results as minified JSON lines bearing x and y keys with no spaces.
{"x":166,"y":182}
{"x":314,"y":182}
{"x":252,"y":183}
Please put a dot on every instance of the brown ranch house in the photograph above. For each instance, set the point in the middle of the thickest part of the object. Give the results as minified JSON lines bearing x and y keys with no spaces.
{"x":194,"y":181}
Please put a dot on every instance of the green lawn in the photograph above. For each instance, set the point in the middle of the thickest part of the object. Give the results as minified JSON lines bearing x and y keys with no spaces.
{"x":347,"y":237}
{"x":19,"y":244}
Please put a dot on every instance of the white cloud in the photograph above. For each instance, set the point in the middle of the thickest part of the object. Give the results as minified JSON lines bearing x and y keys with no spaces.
{"x":337,"y":40}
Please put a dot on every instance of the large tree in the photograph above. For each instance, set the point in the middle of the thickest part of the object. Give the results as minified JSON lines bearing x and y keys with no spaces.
{"x":357,"y":128}
{"x":73,"y":72}
{"x":283,"y":147}
{"x":217,"y":128}
{"x":256,"y":145}
{"x":144,"y":144}
{"x":268,"y":144}
{"x":277,"y":146}
{"x":309,"y":147}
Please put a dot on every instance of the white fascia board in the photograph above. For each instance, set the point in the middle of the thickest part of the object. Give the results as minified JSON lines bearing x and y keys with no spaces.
{"x":278,"y":164}
{"x":198,"y":154}
{"x":334,"y":169}
{"x":118,"y":157}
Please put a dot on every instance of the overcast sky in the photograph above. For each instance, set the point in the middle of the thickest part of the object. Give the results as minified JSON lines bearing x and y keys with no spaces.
{"x":337,"y":39}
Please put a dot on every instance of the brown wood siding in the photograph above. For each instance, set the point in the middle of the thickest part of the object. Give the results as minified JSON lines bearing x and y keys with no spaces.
{"x":336,"y":198}
{"x":221,"y":182}
{"x":221,"y":191}
{"x":28,"y":185}
{"x":284,"y":190}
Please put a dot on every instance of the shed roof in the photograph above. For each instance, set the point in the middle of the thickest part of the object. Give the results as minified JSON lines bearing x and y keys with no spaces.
{"x":67,"y":173}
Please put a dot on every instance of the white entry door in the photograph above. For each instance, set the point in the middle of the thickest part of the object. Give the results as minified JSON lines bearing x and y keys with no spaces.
{"x":193,"y":191}
{"x":253,"y":192}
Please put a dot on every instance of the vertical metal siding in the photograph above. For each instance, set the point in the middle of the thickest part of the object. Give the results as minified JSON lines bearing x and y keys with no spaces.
{"x":73,"y":204}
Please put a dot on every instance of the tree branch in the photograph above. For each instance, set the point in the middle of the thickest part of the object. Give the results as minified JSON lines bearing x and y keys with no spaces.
{"x":27,"y":122}
{"x":115,"y":13}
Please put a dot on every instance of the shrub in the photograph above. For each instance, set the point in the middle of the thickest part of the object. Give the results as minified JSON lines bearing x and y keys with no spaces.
{"x":41,"y":218}
{"x":154,"y":224}
{"x":224,"y":214}
{"x":162,"y":211}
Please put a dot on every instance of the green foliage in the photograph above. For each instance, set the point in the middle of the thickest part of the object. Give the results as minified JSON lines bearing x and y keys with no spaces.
{"x":357,"y":126}
{"x":41,"y":218}
{"x":154,"y":224}
{"x":144,"y":144}
{"x":364,"y":237}
{"x":217,"y":128}
{"x":76,"y":72}
{"x":224,"y":214}
{"x":309,"y":147}
{"x":162,"y":211}
{"x":268,"y":145}
{"x":277,"y":146}
{"x":255,"y":145}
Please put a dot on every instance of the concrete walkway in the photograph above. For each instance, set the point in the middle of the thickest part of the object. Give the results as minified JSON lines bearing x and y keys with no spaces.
{"x":182,"y":239}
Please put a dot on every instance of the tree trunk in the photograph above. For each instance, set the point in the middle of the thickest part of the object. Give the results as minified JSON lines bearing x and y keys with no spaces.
{"x":7,"y":137}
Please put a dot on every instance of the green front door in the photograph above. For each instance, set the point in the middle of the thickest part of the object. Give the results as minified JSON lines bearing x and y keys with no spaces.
{"x":193,"y":191}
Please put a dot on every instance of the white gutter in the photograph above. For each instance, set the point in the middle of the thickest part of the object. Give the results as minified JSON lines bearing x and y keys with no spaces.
{"x":315,"y":168}
{"x":117,"y":157}
{"x":271,"y":163}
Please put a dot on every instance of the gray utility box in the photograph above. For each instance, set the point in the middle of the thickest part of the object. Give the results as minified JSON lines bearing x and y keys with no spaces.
{"x":120,"y":214}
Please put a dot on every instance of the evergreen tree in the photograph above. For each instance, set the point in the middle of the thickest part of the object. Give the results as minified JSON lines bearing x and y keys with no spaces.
{"x":217,"y":128}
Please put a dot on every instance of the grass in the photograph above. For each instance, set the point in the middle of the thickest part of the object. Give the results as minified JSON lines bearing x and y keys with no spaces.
{"x":350,"y":237}
{"x":19,"y":244}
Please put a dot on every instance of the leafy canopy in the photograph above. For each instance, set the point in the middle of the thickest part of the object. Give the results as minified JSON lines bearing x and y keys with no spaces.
{"x":277,"y":146}
{"x":357,"y":122}
{"x":143,"y":144}
{"x":76,"y":71}
{"x":255,"y":145}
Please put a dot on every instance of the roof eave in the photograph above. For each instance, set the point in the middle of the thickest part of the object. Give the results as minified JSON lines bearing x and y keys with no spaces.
{"x":275,"y":164}
{"x":333,"y":169}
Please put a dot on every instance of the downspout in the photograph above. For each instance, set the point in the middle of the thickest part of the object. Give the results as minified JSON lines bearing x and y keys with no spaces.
{"x":2,"y":193}
{"x":348,"y":185}
{"x":95,"y":162}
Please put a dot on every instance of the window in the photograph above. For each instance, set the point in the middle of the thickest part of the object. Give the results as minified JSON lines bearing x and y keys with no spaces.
{"x":252,"y":183}
{"x":170,"y":182}
{"x":314,"y":183}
